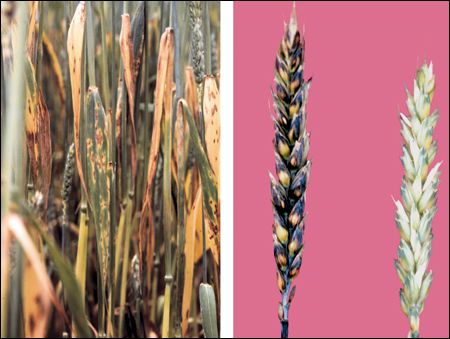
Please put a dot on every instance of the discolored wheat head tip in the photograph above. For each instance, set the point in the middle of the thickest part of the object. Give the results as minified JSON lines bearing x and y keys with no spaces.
{"x":293,"y":21}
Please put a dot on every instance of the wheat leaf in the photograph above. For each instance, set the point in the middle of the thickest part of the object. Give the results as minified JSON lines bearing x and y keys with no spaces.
{"x":75,"y":36}
{"x":37,"y":128}
{"x":210,"y":195}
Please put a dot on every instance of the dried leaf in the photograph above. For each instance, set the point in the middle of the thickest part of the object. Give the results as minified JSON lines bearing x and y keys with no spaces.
{"x":163,"y":79}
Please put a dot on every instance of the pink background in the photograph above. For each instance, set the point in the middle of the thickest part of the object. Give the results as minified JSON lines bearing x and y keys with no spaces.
{"x":361,"y":57}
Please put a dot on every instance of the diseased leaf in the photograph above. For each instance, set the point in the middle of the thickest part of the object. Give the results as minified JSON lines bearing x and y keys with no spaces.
{"x":75,"y":36}
{"x":99,"y":170}
{"x":37,"y":128}
{"x":211,"y":113}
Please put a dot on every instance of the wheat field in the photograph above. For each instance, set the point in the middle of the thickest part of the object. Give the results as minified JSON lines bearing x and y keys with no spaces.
{"x":110,"y":128}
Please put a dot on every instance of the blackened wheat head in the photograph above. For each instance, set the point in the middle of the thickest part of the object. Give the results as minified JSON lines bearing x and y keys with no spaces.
{"x":292,"y":165}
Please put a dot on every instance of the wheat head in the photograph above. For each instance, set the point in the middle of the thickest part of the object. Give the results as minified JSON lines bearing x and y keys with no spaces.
{"x":292,"y":167}
{"x":68,"y":178}
{"x":417,"y":207}
{"x":197,"y":44}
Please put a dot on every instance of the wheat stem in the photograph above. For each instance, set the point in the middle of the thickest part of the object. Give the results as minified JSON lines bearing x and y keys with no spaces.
{"x":167,"y":202}
{"x":12,"y":150}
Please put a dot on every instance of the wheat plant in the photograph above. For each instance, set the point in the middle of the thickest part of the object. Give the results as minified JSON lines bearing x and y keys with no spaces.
{"x":291,"y":144}
{"x":417,"y":207}
{"x":110,"y":153}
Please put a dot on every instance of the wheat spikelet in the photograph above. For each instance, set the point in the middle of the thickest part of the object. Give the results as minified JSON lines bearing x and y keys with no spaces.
{"x":292,"y":167}
{"x":418,"y":191}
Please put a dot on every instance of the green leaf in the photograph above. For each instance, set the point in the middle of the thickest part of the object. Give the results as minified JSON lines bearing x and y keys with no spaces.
{"x":209,"y":312}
